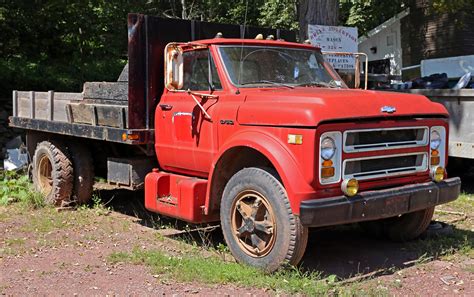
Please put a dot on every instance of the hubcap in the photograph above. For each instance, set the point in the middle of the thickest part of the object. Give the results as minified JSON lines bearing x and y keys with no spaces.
{"x":45,"y":179}
{"x":253,"y":223}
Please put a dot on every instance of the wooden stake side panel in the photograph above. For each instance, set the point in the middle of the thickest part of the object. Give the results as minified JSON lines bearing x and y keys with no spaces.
{"x":43,"y":105}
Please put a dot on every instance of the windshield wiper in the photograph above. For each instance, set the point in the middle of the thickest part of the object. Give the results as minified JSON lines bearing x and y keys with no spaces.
{"x":317,"y":84}
{"x":267,"y":82}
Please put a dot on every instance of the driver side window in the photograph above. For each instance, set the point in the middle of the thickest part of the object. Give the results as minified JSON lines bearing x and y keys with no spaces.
{"x":200,"y":72}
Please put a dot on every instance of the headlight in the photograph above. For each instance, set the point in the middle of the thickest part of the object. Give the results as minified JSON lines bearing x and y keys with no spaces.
{"x":435,"y":140}
{"x":328,"y":148}
{"x":330,"y":157}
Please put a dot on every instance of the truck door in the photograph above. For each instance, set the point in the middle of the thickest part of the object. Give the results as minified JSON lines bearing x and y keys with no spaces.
{"x":185,"y":138}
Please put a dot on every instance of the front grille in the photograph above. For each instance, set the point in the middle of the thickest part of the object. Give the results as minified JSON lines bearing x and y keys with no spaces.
{"x":383,"y":166}
{"x":380,"y":139}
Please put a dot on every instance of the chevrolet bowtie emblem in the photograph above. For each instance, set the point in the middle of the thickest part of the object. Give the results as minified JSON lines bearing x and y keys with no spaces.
{"x":388,"y":109}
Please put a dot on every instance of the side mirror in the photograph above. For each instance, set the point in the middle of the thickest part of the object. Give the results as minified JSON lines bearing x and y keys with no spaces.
{"x":173,"y":67}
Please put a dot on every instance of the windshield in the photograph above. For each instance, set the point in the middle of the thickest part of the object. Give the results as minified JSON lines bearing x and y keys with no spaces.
{"x":266,"y":66}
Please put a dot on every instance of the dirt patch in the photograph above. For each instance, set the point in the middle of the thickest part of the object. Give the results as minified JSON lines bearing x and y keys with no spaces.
{"x":39,"y":258}
{"x":437,"y":278}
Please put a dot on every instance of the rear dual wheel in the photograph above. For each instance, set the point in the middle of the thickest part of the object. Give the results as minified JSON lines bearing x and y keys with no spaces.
{"x":258,"y":224}
{"x":63,"y":174}
{"x":53,"y":172}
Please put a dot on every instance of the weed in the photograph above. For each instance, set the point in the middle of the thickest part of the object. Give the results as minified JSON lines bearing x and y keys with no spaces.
{"x":17,"y":188}
{"x":222,"y":250}
{"x":98,"y":206}
{"x":96,"y":201}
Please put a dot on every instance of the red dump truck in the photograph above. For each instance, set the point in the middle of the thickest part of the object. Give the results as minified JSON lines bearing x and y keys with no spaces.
{"x":261,"y":135}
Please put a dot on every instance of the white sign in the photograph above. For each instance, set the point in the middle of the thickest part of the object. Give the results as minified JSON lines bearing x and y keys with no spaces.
{"x":335,"y":39}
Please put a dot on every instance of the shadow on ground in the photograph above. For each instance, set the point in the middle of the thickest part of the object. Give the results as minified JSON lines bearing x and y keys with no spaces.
{"x":344,"y":251}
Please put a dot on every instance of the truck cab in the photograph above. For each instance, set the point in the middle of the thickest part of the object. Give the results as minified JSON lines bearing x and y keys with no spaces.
{"x":272,"y":128}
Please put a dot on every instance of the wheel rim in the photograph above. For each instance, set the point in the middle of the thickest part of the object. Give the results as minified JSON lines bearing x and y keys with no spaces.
{"x":45,"y":178}
{"x":253,"y":223}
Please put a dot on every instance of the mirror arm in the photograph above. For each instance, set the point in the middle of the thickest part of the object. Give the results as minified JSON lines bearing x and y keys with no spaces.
{"x":199,"y":104}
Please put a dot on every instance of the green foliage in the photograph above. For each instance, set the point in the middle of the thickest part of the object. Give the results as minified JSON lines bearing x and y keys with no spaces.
{"x":450,"y":6}
{"x":16,"y":188}
{"x":279,"y":14}
{"x":271,"y":13}
{"x":59,"y":45}
{"x":368,"y":14}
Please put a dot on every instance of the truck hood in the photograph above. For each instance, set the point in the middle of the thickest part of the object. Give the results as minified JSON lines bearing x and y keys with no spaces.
{"x":312,"y":106}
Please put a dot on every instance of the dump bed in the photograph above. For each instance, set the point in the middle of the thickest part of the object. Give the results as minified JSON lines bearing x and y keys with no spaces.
{"x":122,"y":111}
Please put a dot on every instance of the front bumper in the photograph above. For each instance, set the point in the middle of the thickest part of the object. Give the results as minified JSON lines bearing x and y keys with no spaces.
{"x":374,"y":205}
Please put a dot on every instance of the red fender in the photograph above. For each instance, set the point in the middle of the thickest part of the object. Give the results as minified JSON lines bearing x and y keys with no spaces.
{"x":284,"y":162}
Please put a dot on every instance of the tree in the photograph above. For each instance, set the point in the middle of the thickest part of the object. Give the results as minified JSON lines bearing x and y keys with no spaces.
{"x":368,"y":14}
{"x":321,"y":12}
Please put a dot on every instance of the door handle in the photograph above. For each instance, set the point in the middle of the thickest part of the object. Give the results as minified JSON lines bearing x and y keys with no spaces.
{"x":166,"y":106}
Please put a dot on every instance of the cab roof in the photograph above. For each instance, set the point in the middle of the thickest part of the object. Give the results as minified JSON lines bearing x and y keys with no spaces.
{"x":238,"y":41}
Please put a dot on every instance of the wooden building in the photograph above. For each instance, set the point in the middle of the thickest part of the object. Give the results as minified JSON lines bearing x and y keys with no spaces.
{"x":419,"y":33}
{"x":428,"y":34}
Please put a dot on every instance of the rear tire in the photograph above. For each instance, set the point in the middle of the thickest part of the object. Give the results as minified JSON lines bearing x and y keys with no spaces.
{"x":258,"y":223}
{"x":53,"y":172}
{"x":406,"y":227}
{"x":83,"y":173}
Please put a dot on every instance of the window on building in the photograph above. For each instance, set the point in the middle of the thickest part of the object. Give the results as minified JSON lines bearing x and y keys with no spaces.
{"x":390,"y":40}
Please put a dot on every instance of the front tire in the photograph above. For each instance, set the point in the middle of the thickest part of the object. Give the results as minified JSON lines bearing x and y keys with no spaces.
{"x":257,"y":222}
{"x":52,"y":172}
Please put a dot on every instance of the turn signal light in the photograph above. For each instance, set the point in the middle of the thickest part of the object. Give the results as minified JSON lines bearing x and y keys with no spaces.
{"x":350,"y":187}
{"x":126,"y":136}
{"x":435,"y":153}
{"x":437,"y":174}
{"x":327,"y":163}
{"x":327,"y":172}
{"x":295,"y":139}
{"x":435,"y":160}
{"x":133,"y":136}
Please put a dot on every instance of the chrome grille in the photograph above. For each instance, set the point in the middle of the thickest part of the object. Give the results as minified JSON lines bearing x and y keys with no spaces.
{"x":382,"y":139}
{"x":383,"y":166}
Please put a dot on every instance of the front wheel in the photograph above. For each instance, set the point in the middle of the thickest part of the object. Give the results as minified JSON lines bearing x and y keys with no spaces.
{"x":258,"y":224}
